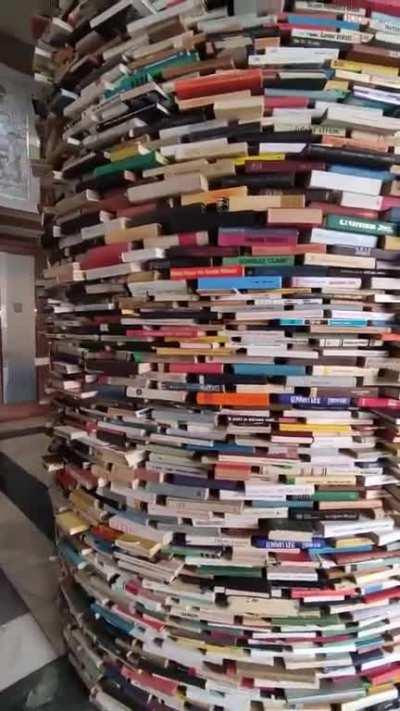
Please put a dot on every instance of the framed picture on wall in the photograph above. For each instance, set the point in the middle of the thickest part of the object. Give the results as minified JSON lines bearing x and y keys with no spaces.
{"x":19,"y":189}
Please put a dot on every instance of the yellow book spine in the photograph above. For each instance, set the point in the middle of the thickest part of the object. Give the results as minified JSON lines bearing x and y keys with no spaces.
{"x":261,"y":156}
{"x":364,"y":67}
{"x":310,"y":427}
{"x":354,"y":541}
{"x":336,"y":85}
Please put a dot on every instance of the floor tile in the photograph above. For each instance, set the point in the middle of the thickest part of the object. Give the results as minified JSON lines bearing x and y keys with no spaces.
{"x":23,"y":649}
{"x":27,"y":451}
{"x":27,"y":557}
{"x":55,"y":687}
{"x":24,"y":425}
{"x":22,"y":428}
{"x":11,"y":604}
{"x":27,"y":493}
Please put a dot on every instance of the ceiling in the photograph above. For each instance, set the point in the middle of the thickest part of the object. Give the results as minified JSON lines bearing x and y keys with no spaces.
{"x":15,"y":16}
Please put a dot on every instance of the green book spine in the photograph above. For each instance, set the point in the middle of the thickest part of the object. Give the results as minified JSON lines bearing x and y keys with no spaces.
{"x":335,"y":496}
{"x":185,"y":551}
{"x":232,"y":572}
{"x":150,"y":71}
{"x":325,"y":621}
{"x":259,"y":261}
{"x":348,"y":223}
{"x":139,"y":162}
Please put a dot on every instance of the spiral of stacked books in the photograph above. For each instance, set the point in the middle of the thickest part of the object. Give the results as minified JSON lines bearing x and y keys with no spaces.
{"x":221,"y":214}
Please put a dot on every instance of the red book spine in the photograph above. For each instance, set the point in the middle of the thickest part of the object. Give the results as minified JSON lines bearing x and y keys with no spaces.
{"x":136,"y":210}
{"x":153,"y":681}
{"x":264,"y":250}
{"x":219,"y":83}
{"x":380,"y":402}
{"x":390,"y":336}
{"x":383,"y":674}
{"x":214,"y":368}
{"x":382,"y":595}
{"x":197,"y":272}
{"x":114,"y":200}
{"x":188,"y":239}
{"x":286,"y":102}
{"x":81,"y":475}
{"x":106,"y":533}
{"x":65,"y":480}
{"x":105,"y":256}
{"x":330,"y":209}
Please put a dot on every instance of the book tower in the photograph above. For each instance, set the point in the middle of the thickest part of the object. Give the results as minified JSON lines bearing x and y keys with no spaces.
{"x":221,"y":214}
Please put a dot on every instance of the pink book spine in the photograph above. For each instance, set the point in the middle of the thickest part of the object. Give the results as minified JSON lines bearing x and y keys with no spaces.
{"x":388,"y":202}
{"x":176,"y":331}
{"x":191,"y":239}
{"x":231,"y":240}
{"x":214,"y":368}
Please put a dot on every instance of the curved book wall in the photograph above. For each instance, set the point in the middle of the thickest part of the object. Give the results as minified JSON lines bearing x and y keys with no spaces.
{"x":221,"y":213}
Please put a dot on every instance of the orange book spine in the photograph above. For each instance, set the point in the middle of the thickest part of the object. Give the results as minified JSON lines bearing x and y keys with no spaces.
{"x":234,"y":399}
{"x":219,"y":83}
{"x":264,"y":250}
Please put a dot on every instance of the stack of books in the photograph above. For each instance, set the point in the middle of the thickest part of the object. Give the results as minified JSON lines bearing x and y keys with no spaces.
{"x":222,"y":224}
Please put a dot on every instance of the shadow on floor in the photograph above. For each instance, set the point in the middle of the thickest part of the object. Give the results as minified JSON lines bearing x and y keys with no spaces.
{"x":28,"y":494}
{"x":55,"y":687}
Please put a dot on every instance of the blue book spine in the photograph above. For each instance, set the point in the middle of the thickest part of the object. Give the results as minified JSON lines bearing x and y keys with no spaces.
{"x":384,"y":175}
{"x":267,"y":504}
{"x":100,"y":545}
{"x":393,"y":215}
{"x":256,"y":369}
{"x":139,"y":517}
{"x":314,"y":401}
{"x":197,"y":482}
{"x":322,"y":22}
{"x":350,"y":549}
{"x":262,"y":542}
{"x":250,"y":282}
{"x":371,"y":103}
{"x":112,"y":618}
{"x":292,"y":321}
{"x":112,"y":392}
{"x":69,"y":554}
{"x":347,"y":322}
{"x":296,"y":270}
{"x":221,"y":447}
{"x":368,"y":589}
{"x":299,"y":504}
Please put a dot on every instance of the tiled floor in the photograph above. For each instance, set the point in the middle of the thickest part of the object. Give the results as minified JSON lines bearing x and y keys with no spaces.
{"x":55,"y":687}
{"x":34,"y":671}
{"x":32,"y":425}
